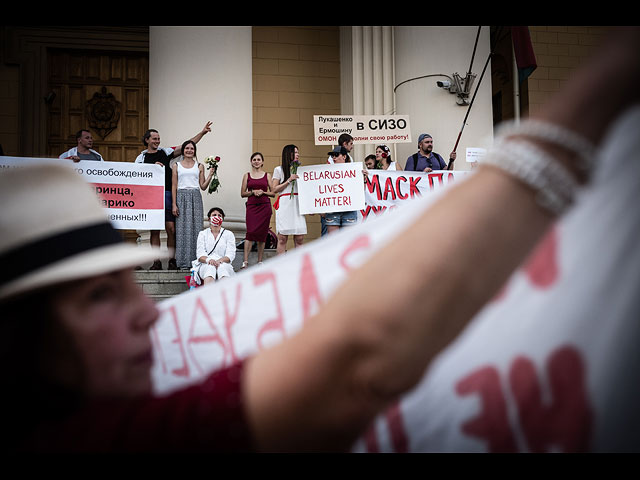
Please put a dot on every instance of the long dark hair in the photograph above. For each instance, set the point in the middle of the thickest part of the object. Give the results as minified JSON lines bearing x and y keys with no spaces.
{"x":386,"y":153}
{"x":288,"y":154}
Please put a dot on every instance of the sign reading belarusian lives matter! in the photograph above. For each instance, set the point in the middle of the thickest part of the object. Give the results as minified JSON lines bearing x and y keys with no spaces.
{"x":132,"y":193}
{"x":364,"y":129}
{"x":331,"y":188}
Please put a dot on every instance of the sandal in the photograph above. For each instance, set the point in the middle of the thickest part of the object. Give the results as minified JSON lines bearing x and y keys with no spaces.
{"x":244,"y":265}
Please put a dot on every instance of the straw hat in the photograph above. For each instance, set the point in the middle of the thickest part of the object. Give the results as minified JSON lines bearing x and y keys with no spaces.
{"x":55,"y":230}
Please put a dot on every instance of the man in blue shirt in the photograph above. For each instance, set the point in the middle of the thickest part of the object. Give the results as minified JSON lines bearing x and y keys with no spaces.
{"x":426,"y":160}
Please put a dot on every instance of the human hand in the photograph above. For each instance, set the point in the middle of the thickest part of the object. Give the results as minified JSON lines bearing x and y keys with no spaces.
{"x":207,"y":127}
{"x":258,"y":192}
{"x":175,"y":211}
{"x":427,"y":170}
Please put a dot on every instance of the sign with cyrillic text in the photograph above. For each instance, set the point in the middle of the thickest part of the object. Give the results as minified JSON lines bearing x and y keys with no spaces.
{"x":331,"y":188}
{"x":132,"y":193}
{"x":365,"y":129}
{"x":388,"y":189}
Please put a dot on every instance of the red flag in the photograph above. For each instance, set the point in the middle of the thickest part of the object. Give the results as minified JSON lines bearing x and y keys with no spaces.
{"x":525,"y":58}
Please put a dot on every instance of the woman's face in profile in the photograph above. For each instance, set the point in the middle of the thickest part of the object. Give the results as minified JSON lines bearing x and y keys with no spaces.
{"x":108,"y":318}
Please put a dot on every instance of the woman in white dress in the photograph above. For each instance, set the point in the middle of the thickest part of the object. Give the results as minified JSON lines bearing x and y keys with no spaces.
{"x":383,"y":158}
{"x":288,"y":218}
{"x":216,"y":249}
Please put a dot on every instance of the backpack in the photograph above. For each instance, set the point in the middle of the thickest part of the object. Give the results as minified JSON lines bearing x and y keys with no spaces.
{"x":438,"y":157}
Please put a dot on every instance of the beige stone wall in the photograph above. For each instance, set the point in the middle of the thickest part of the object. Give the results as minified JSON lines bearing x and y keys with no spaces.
{"x":559,"y":51}
{"x":296,"y":75}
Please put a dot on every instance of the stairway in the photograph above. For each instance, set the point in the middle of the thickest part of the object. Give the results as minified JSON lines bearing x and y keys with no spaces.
{"x":162,"y":284}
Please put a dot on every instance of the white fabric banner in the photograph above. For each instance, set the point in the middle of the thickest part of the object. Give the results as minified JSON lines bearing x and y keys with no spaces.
{"x":551,"y":364}
{"x":365,"y":129}
{"x":132,"y":193}
{"x":331,"y":188}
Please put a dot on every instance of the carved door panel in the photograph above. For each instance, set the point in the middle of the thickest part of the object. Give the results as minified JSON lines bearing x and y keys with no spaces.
{"x":105,"y":93}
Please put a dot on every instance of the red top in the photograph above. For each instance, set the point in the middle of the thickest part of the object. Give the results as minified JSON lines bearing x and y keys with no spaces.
{"x":207,"y":417}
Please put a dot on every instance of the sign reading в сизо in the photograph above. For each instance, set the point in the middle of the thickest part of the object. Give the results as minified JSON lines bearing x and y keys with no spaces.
{"x":331,"y":188}
{"x":363,"y":128}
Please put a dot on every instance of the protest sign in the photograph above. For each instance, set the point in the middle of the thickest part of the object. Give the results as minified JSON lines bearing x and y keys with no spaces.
{"x":364,"y":129}
{"x":387,"y":189}
{"x":331,"y":188}
{"x":550,"y":364}
{"x":132,"y":193}
{"x":475,"y":154}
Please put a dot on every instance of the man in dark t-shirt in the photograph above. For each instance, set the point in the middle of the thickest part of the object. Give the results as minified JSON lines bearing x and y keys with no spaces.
{"x":164,"y":156}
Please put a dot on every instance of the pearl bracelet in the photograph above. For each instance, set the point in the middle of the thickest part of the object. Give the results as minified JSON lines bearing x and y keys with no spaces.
{"x":555,"y":187}
{"x":555,"y":134}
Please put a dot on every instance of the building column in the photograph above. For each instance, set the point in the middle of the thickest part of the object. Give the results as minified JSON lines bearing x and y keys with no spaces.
{"x":197,"y":74}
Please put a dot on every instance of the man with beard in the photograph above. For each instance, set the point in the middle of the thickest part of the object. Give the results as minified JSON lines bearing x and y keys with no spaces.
{"x":426,"y":160}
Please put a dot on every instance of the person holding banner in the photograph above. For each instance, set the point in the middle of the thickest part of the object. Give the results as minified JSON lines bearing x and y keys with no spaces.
{"x":288,"y":218}
{"x":336,"y":220}
{"x":426,"y":160}
{"x":216,"y":249}
{"x":256,"y":188}
{"x":83,"y":150}
{"x":187,"y":180}
{"x":164,"y":157}
{"x":76,"y":326}
{"x":370,"y":162}
{"x":383,"y":158}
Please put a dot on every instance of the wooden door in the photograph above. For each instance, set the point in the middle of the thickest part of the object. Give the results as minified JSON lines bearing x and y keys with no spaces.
{"x":103,"y":92}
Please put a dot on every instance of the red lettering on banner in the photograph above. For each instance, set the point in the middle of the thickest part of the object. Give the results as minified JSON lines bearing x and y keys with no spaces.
{"x":542,"y":266}
{"x":373,"y":184}
{"x":214,"y":337}
{"x":492,"y":422}
{"x":309,"y":288}
{"x":230,"y":319}
{"x":438,"y":175}
{"x":388,"y":190}
{"x":278,"y":322}
{"x":413,"y":186}
{"x":397,"y":432}
{"x":400,"y":195}
{"x":361,"y":242}
{"x":564,"y":423}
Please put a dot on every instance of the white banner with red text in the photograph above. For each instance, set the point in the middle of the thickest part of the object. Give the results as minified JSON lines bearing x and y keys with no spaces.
{"x":132,"y":193}
{"x":549,"y":365}
{"x":330,"y":188}
{"x":364,"y":129}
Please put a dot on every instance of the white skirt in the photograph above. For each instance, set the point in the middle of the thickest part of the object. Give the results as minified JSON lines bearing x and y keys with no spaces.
{"x":288,"y":218}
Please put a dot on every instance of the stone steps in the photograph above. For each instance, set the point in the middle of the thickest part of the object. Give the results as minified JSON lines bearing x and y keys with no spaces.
{"x":162,"y":284}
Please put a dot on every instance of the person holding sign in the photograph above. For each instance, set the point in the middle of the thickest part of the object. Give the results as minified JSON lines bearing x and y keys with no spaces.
{"x":75,"y":326}
{"x":83,"y":150}
{"x":288,"y":218}
{"x":256,"y":188}
{"x":164,"y":156}
{"x":383,"y":158}
{"x":216,"y":249}
{"x":335,"y":221}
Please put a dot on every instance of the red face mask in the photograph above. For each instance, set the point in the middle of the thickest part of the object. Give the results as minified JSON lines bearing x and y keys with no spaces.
{"x":217,"y":221}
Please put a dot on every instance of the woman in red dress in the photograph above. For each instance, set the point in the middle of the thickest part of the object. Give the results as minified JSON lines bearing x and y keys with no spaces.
{"x":256,"y":187}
